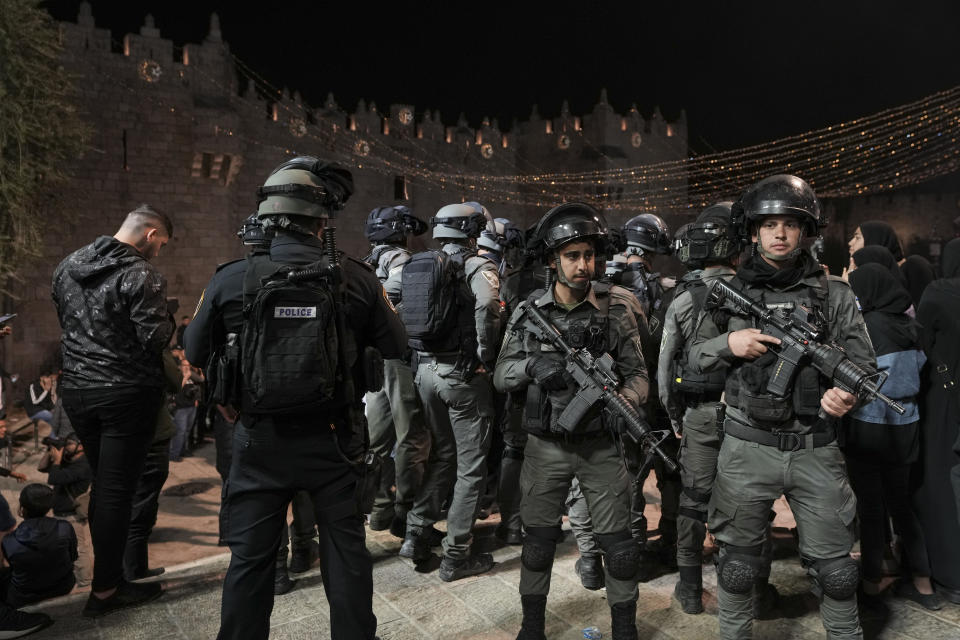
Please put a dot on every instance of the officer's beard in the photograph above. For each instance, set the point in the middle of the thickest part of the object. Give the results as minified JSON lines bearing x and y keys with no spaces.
{"x":579,"y":285}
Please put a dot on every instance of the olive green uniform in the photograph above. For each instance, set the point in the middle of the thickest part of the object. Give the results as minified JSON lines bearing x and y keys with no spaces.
{"x":553,"y":458}
{"x":394,"y":416}
{"x":458,"y":404}
{"x":807,"y":466}
{"x":700,"y":441}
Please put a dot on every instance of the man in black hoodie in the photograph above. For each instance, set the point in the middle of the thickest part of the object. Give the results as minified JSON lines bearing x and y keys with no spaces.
{"x":112,"y":307}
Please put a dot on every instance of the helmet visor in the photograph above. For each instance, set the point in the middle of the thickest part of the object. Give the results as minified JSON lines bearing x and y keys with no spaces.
{"x":568,"y":231}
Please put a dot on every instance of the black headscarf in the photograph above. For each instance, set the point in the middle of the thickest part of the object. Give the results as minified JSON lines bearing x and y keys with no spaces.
{"x":918,"y":273}
{"x":758,"y":271}
{"x":883,"y":302}
{"x":878,"y":290}
{"x":881,"y":233}
{"x":950,"y":259}
{"x":875,"y":254}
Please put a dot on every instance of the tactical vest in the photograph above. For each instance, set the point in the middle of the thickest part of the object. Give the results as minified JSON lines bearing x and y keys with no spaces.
{"x":591,"y":333}
{"x":381,"y":256}
{"x":292,"y":359}
{"x":747,"y":381}
{"x":691,"y":384}
{"x":438,"y":304}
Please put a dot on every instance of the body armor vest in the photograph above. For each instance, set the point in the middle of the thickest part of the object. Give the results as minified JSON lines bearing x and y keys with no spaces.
{"x":590,"y":332}
{"x":685,"y":379}
{"x":746,"y":385}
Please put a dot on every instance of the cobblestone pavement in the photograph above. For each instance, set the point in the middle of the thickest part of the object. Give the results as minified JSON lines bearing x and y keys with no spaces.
{"x":410,"y":604}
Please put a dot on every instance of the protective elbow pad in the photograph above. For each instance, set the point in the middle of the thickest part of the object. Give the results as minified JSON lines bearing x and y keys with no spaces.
{"x":838,"y":578}
{"x":539,"y":547}
{"x":621,"y":554}
{"x":738,"y":567}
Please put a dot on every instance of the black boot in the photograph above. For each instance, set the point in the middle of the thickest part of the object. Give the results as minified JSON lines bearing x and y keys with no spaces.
{"x":281,"y":579}
{"x":689,"y":590}
{"x":303,"y":558}
{"x":398,"y":528}
{"x":415,"y":546}
{"x":590,"y":570}
{"x":623,"y":620}
{"x":534,"y":618}
{"x":453,"y":569}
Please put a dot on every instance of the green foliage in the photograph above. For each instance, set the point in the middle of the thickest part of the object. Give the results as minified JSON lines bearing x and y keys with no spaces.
{"x":40,"y":131}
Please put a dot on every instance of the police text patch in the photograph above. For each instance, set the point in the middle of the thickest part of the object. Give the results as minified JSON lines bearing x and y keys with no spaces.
{"x":294,"y":312}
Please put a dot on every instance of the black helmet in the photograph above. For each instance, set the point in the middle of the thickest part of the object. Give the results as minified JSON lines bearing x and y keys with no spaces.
{"x":252,"y":233}
{"x":711,"y":238}
{"x":782,"y":195}
{"x":392,"y":224}
{"x":567,"y":223}
{"x":305,"y":186}
{"x":647,"y":232}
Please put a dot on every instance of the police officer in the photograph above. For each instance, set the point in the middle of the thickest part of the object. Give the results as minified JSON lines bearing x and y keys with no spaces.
{"x":453,"y":382}
{"x":514,"y":289}
{"x":595,"y":317}
{"x":710,"y":247}
{"x":787,"y":445}
{"x":647,"y":236}
{"x":276,"y":455}
{"x":394,"y":416}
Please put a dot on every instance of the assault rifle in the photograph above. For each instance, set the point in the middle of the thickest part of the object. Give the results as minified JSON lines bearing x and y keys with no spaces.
{"x":597,"y":382}
{"x":801,"y":342}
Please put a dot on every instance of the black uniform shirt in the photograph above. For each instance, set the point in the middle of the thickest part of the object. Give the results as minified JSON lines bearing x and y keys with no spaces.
{"x":369,"y":313}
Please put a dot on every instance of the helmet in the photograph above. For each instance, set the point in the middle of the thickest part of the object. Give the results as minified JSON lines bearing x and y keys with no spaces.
{"x":782,"y":195}
{"x":500,"y":235}
{"x":459,"y":221}
{"x":252,"y":233}
{"x":711,"y":238}
{"x":392,"y":224}
{"x":567,"y":223}
{"x":305,"y":186}
{"x":647,"y":232}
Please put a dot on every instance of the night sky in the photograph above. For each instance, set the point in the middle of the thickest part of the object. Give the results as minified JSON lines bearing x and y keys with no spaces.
{"x":745,"y":73}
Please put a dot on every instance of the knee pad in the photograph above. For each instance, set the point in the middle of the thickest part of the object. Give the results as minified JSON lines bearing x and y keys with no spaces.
{"x":539,"y":547}
{"x":738,"y":567}
{"x":621,"y":554}
{"x":837,"y":577}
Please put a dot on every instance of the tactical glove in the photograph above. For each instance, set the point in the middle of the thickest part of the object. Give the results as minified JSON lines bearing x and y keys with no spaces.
{"x":546,"y":373}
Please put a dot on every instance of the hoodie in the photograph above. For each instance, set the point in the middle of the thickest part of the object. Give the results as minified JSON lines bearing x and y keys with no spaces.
{"x":112,"y":307}
{"x":41,"y":552}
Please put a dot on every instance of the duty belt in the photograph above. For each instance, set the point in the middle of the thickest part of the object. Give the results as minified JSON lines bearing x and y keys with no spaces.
{"x":572,"y":438}
{"x":430,"y":358}
{"x":700,"y":398}
{"x":782,"y":440}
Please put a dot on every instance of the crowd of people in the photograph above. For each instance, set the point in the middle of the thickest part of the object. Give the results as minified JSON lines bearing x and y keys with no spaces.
{"x":542,"y":373}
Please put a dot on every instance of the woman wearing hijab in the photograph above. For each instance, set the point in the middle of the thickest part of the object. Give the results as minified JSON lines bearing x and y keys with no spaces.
{"x":939,"y":474}
{"x":875,"y":254}
{"x":919,"y":273}
{"x":881,"y":445}
{"x":876,"y":232}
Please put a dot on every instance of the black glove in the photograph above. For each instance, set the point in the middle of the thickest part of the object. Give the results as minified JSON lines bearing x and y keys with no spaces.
{"x":546,"y":373}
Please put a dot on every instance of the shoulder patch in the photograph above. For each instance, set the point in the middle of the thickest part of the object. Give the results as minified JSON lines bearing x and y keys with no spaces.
{"x":491,"y":276}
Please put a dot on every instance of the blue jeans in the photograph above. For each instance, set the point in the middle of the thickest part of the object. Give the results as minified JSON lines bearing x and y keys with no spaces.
{"x":183,"y":420}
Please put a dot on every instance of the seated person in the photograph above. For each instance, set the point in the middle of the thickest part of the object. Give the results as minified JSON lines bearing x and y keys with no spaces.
{"x":40,"y":551}
{"x":70,"y":475}
{"x":38,"y":403}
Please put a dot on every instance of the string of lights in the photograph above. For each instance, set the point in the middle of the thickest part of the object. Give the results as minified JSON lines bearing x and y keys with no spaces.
{"x":891,"y":149}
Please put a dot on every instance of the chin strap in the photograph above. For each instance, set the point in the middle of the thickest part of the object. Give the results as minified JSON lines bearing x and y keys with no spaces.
{"x":562,"y":278}
{"x":790,"y":256}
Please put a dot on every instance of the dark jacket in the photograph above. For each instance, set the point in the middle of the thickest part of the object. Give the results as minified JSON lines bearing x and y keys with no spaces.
{"x":368,"y":312}
{"x":112,"y":307}
{"x":70,"y":480}
{"x":37,"y":399}
{"x":41,"y":552}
